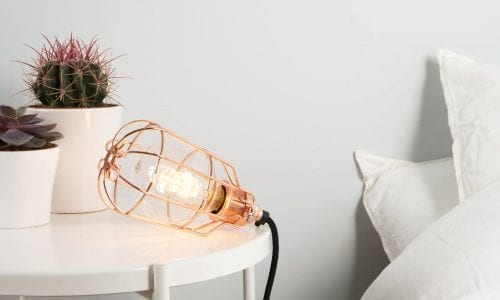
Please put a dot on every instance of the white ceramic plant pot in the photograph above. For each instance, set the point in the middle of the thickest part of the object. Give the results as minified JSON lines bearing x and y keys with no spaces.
{"x":86,"y":132}
{"x":26,"y":181}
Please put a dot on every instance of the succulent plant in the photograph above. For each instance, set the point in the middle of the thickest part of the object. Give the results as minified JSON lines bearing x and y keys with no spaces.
{"x":70,"y":73}
{"x":21,"y":131}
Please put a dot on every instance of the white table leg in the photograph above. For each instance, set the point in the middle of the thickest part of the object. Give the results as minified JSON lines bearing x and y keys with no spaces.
{"x":161,"y":283}
{"x":23,"y":298}
{"x":249,"y":283}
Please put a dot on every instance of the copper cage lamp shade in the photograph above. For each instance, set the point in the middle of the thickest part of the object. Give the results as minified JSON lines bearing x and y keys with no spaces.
{"x":152,"y":174}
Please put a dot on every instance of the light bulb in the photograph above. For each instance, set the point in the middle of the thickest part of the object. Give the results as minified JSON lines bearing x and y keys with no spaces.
{"x":152,"y":174}
{"x":178,"y":184}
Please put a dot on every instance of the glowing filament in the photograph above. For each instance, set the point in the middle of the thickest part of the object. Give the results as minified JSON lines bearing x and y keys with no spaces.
{"x":175,"y":183}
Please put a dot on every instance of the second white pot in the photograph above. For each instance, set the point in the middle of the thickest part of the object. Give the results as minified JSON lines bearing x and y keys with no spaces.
{"x":26,"y":181}
{"x":86,"y":132}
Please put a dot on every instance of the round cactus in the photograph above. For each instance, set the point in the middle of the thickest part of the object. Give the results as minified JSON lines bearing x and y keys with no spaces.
{"x":71,"y":73}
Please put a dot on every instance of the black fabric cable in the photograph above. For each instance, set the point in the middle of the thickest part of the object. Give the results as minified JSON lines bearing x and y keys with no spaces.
{"x":266,"y":219}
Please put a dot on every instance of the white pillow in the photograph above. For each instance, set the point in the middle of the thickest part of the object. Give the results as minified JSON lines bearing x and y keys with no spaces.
{"x":403,"y":198}
{"x":472,"y":93}
{"x":457,"y":257}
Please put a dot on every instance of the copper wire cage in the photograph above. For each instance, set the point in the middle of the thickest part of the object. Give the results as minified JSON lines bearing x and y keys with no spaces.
{"x":152,"y":174}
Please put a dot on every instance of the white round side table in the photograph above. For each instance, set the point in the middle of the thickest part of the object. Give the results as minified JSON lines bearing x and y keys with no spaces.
{"x":105,"y":253}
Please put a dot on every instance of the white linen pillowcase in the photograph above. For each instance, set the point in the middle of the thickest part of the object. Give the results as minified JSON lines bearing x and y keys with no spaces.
{"x":472,"y":93}
{"x":455,"y":258}
{"x":403,"y":198}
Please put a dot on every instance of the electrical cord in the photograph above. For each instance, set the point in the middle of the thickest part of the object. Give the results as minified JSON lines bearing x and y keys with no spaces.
{"x":266,"y":219}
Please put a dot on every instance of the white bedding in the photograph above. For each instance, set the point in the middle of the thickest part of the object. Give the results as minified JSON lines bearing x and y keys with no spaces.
{"x":458,"y":257}
{"x":404,"y":198}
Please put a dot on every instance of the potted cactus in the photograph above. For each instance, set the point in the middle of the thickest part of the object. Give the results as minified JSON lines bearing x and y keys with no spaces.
{"x":28,"y":158}
{"x":71,"y":82}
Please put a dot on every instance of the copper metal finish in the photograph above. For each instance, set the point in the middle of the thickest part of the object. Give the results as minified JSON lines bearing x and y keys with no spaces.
{"x":207,"y":197}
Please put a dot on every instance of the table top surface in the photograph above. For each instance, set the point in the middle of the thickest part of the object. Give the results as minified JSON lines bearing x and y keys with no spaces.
{"x":105,"y":241}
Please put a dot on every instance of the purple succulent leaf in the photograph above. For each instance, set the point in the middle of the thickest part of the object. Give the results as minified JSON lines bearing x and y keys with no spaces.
{"x":50,"y":136}
{"x":21,"y":111}
{"x":37,"y":129}
{"x":26,"y":118}
{"x":8,"y":121}
{"x":7,"y":111}
{"x":35,"y":143}
{"x":15,"y":137}
{"x":33,"y":121}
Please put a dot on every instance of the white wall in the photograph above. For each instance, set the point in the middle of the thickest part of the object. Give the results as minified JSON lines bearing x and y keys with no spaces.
{"x":286,"y":90}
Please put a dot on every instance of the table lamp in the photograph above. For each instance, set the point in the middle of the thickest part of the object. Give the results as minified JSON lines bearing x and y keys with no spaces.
{"x":151,"y":174}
